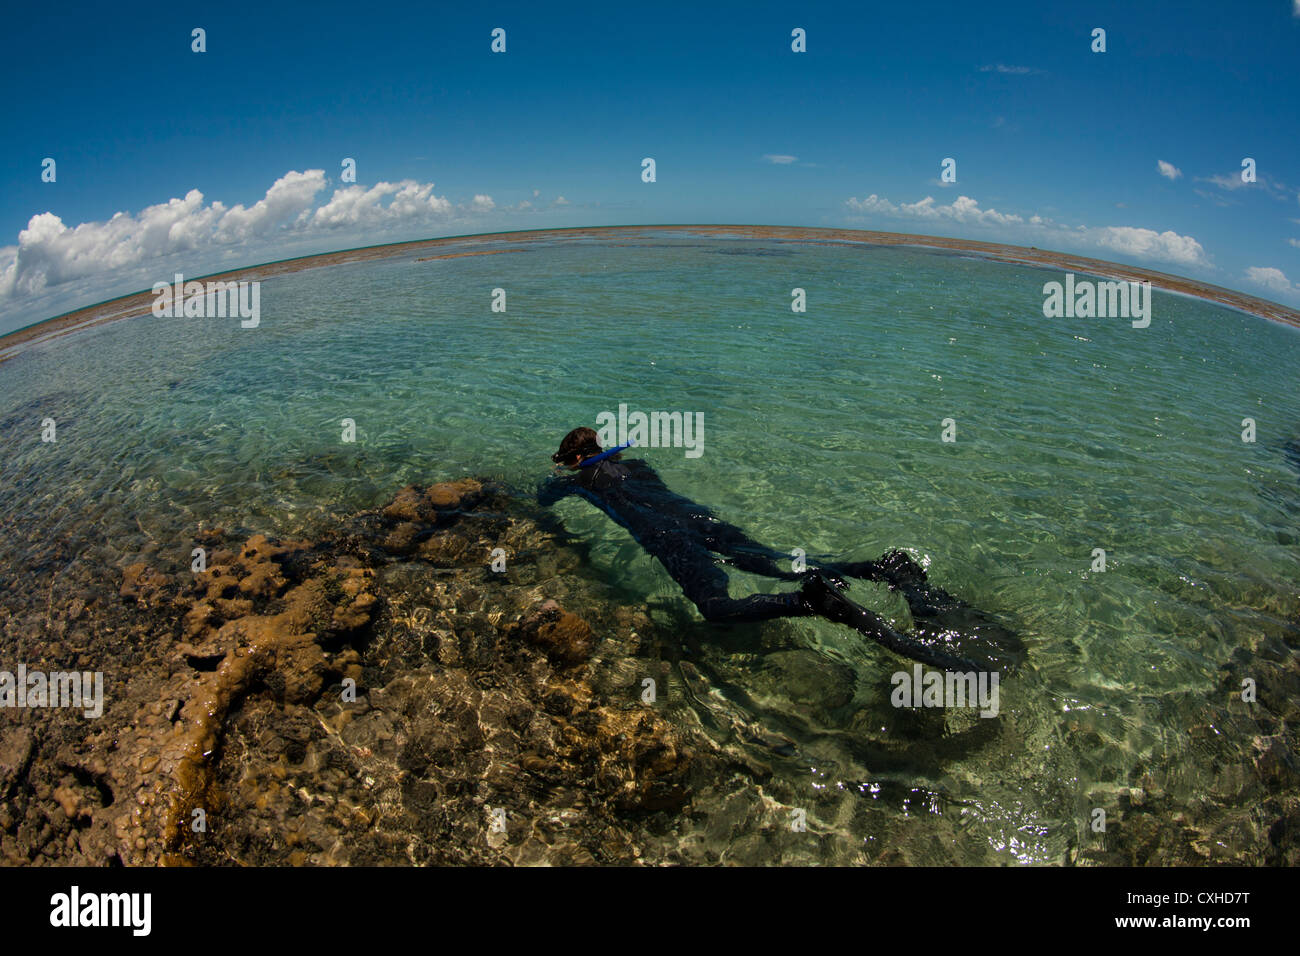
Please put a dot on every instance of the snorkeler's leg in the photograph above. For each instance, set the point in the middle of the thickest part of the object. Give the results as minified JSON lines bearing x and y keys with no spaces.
{"x":705,"y":585}
{"x":936,"y":613}
{"x":743,"y":552}
{"x":895,"y":568}
{"x":746,"y":554}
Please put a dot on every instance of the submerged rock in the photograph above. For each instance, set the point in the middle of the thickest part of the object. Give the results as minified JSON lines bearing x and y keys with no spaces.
{"x":374,"y":695}
{"x":562,"y":635}
{"x":434,"y":503}
{"x":381,"y":693}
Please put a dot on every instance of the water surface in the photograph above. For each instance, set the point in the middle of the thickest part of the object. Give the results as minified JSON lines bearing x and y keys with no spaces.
{"x":822,"y":432}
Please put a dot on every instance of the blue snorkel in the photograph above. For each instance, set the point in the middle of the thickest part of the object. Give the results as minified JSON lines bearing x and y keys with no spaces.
{"x":596,"y":459}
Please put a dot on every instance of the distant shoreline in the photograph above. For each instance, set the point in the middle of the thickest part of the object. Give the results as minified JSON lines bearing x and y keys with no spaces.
{"x":140,"y":303}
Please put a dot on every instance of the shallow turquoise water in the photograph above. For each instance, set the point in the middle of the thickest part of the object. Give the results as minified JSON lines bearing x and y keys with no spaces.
{"x":822,"y":431}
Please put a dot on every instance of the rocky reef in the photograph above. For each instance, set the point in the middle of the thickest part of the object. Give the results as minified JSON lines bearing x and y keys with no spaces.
{"x":380,"y":695}
{"x":440,"y":681}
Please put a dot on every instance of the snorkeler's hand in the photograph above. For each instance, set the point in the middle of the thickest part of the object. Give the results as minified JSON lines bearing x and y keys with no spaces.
{"x":552,"y":489}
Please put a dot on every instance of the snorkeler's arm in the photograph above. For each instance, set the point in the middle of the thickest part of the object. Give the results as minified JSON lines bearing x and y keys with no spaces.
{"x":554,"y":488}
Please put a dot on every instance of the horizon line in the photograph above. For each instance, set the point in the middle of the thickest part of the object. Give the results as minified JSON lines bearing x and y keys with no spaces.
{"x":1038,"y":257}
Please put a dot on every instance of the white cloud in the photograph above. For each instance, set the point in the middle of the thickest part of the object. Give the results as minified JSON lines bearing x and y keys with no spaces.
{"x":49,"y":253}
{"x":1140,"y":243}
{"x":1270,"y":278}
{"x":365,"y":206}
{"x":561,"y":201}
{"x":1168,"y":170}
{"x":780,"y":159}
{"x":54,"y":265}
{"x":1134,"y":241}
{"x":1233,"y":181}
{"x":963,"y":209}
{"x":872,"y":204}
{"x":1294,"y":242}
{"x":1229,"y":181}
{"x":289,"y":197}
{"x":8,"y":268}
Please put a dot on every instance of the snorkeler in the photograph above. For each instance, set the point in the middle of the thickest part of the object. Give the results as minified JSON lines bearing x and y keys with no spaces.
{"x":688,"y":539}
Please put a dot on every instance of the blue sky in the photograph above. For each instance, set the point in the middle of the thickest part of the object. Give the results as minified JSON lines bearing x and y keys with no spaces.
{"x":1055,"y":145}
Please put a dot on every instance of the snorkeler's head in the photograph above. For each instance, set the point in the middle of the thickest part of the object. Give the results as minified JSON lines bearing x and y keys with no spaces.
{"x":578,"y":444}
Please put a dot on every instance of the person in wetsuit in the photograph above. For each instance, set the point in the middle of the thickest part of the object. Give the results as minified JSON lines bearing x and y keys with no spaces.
{"x":688,"y":539}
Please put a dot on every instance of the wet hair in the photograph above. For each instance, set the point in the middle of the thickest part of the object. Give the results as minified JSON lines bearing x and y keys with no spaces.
{"x":579,"y":443}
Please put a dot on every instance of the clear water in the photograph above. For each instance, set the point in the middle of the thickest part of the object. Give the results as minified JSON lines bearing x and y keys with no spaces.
{"x":822,"y":431}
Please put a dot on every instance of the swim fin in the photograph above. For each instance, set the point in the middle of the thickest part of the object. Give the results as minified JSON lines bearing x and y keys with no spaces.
{"x":897,"y":570}
{"x":940,"y":617}
{"x":821,"y":593}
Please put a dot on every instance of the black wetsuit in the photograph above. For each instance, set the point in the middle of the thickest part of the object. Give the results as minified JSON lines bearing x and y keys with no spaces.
{"x":685,"y":536}
{"x":689,"y":539}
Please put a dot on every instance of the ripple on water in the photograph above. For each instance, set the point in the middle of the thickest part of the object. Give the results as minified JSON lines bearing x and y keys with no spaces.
{"x":822,"y":433}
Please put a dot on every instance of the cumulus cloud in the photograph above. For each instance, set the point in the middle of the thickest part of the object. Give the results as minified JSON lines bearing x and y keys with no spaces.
{"x":1270,"y":278}
{"x":780,"y":159}
{"x":289,"y":198}
{"x":1140,"y":243}
{"x":1134,"y":241}
{"x":53,"y":262}
{"x":48,"y":252}
{"x":1168,"y":170}
{"x":383,"y":204}
{"x":963,"y":209}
